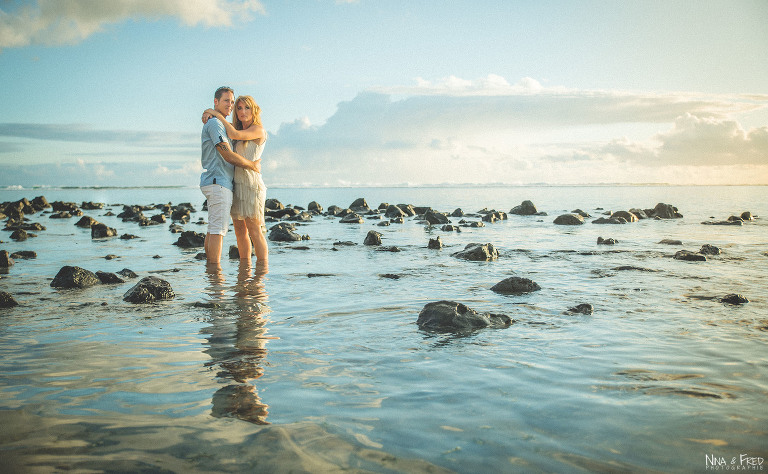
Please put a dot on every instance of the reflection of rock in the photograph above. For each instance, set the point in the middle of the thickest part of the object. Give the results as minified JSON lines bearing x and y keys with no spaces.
{"x":241,"y":402}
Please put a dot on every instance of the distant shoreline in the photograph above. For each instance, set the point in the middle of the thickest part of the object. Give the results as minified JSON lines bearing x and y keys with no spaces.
{"x":399,"y":186}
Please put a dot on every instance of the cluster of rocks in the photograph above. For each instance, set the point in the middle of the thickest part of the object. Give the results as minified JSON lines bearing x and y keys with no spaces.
{"x":661,"y":211}
{"x":147,"y":290}
{"x":745,"y":216}
{"x":358,"y":212}
{"x":17,"y":223}
{"x":7,"y":260}
{"x":77,"y":277}
{"x":700,"y":255}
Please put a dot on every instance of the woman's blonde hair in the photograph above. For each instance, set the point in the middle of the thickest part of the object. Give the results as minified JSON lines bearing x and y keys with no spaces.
{"x":255,"y":110}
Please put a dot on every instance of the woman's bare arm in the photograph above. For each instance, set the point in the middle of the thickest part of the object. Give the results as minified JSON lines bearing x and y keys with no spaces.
{"x":254,"y":132}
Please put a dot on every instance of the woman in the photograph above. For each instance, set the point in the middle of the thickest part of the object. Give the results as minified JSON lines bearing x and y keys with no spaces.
{"x":250,"y":193}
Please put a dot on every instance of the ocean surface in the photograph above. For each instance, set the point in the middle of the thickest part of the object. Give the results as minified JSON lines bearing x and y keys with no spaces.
{"x":318,"y":365}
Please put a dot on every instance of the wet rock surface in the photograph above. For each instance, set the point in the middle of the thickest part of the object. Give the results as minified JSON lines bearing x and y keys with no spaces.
{"x":453,"y":316}
{"x":149,"y":290}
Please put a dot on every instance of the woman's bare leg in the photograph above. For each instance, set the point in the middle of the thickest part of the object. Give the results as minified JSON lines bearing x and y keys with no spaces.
{"x":243,"y":239}
{"x":259,"y":239}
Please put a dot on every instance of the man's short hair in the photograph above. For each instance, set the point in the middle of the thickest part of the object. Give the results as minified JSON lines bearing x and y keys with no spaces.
{"x":221,"y":90}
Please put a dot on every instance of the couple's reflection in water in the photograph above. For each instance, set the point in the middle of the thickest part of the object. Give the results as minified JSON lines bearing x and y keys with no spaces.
{"x":237,"y":340}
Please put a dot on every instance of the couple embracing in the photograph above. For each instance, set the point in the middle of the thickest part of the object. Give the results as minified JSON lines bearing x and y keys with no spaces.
{"x":231,"y":179}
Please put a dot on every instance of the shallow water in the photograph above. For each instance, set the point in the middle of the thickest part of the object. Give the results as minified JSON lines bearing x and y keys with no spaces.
{"x":283,"y":371}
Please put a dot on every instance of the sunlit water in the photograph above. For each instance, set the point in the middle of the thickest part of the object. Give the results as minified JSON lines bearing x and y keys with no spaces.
{"x":290,"y":371}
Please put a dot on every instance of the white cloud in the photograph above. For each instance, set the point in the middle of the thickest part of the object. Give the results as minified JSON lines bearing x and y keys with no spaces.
{"x":488,"y":130}
{"x":71,"y":21}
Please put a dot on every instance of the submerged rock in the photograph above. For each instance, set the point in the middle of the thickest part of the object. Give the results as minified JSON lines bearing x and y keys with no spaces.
{"x":583,"y":308}
{"x":74,"y":277}
{"x":23,"y":254}
{"x":569,"y":219}
{"x":125,"y":272}
{"x":734,"y":299}
{"x":671,"y":242}
{"x":747,"y":216}
{"x":709,"y":249}
{"x":478,"y":252}
{"x":453,"y":316}
{"x":109,"y":278}
{"x":609,"y":220}
{"x":609,"y":241}
{"x":690,"y":256}
{"x":728,"y":222}
{"x":515,"y":286}
{"x":148,"y":290}
{"x":6,"y":300}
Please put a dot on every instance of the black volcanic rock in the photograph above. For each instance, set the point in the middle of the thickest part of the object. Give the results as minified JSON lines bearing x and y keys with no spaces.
{"x":74,"y":277}
{"x":148,"y":290}
{"x":453,"y":316}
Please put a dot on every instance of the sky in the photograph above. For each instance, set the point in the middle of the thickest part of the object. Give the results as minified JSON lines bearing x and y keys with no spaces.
{"x":389,"y":92}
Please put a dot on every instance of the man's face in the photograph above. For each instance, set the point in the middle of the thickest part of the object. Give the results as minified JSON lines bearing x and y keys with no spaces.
{"x":224,"y":105}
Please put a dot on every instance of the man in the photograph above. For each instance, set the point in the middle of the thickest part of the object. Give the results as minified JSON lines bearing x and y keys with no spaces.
{"x":216,"y":182}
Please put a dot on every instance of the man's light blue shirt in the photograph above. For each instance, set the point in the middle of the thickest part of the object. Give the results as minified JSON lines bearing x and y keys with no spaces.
{"x":215,"y":169}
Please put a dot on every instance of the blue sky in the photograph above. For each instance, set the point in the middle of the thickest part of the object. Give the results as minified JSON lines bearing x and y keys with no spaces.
{"x":389,"y":92}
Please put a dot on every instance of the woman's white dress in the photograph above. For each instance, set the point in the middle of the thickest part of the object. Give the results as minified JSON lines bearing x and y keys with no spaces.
{"x":250,"y":193}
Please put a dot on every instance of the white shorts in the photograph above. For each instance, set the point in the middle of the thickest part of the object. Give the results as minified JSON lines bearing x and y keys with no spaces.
{"x":219,"y":204}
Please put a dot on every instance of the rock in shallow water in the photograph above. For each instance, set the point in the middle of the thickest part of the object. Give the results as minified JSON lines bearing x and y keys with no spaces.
{"x":109,"y":278}
{"x":190,"y":239}
{"x":373,"y":238}
{"x":478,"y":252}
{"x":5,"y":260}
{"x":453,"y":316}
{"x":569,"y":219}
{"x":515,"y":286}
{"x":690,"y":256}
{"x":526,"y":208}
{"x":6,"y":300}
{"x":148,"y":290}
{"x":734,"y":299}
{"x":583,"y":308}
{"x":74,"y":277}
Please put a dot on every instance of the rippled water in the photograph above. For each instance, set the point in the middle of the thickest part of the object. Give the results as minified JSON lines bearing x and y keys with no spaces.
{"x":245,"y":371}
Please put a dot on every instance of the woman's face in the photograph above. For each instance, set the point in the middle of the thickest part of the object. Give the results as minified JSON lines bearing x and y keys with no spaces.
{"x":244,"y":113}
